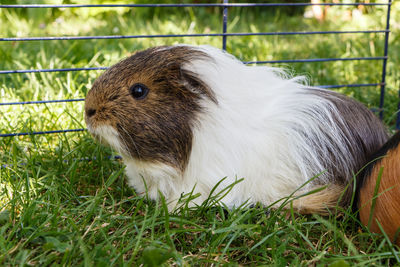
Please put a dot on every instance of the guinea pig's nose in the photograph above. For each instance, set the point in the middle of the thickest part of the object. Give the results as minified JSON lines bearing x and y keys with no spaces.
{"x":90,"y":112}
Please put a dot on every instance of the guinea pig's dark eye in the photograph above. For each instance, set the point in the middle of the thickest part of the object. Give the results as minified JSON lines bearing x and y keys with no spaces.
{"x":139,"y":91}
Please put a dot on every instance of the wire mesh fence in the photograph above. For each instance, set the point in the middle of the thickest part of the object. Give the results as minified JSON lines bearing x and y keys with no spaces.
{"x":224,"y":35}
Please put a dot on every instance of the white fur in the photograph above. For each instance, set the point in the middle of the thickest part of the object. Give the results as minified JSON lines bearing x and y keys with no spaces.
{"x":163,"y":178}
{"x":252,"y":133}
{"x":109,"y":135}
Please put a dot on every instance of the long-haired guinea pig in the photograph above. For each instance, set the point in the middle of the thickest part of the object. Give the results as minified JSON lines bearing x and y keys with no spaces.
{"x":185,"y":117}
{"x":379,"y":191}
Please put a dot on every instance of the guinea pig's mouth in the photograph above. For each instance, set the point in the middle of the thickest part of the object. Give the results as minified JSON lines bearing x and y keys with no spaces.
{"x":107,"y":135}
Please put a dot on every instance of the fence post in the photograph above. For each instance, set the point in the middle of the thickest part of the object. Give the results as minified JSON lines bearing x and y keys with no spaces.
{"x":224,"y":24}
{"x":383,"y":85}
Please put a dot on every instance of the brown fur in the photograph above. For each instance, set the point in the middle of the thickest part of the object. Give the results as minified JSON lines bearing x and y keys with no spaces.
{"x":365,"y":134}
{"x":157,"y":128}
{"x":387,"y":203}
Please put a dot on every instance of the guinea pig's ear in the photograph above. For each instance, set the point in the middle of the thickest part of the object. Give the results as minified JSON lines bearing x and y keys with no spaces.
{"x":193,"y":83}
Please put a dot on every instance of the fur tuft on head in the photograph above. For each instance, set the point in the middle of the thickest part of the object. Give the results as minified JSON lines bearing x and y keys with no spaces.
{"x":206,"y":116}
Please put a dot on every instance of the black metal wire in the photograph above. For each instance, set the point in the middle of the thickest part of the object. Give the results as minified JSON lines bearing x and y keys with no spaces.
{"x":312,"y":60}
{"x":41,"y":132}
{"x":10,"y":165}
{"x":349,"y":85}
{"x":224,"y":24}
{"x":382,"y":97}
{"x":80,"y":130}
{"x":398,"y":109}
{"x":50,"y":70}
{"x":41,"y":102}
{"x":82,"y":99}
{"x":53,"y":38}
{"x":245,"y":62}
{"x":195,"y":5}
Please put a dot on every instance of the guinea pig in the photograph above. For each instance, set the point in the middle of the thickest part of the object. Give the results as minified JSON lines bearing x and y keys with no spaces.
{"x":184,"y":117}
{"x":379,"y":191}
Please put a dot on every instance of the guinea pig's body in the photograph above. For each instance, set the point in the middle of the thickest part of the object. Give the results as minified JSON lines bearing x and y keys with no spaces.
{"x":205,"y":116}
{"x":379,"y":183}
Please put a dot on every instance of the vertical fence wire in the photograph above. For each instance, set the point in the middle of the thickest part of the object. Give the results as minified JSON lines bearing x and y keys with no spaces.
{"x":398,"y":111}
{"x":224,"y":24}
{"x":383,"y":81}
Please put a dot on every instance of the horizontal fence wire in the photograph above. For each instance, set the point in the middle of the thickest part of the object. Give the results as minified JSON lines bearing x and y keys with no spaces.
{"x":42,"y":132}
{"x":116,"y":157}
{"x":50,"y":70}
{"x":82,"y":99}
{"x":245,"y":62}
{"x":311,"y":60}
{"x":224,"y":35}
{"x":350,"y":85}
{"x":41,"y":102}
{"x":194,"y":5}
{"x":16,"y":39}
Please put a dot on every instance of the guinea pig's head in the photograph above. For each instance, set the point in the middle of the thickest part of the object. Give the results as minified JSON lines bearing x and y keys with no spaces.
{"x":145,"y":106}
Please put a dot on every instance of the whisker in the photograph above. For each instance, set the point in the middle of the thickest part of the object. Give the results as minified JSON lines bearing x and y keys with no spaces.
{"x":131,"y":139}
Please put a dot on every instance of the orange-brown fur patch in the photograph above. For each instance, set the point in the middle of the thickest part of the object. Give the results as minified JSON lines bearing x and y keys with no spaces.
{"x":387,"y":205}
{"x":320,"y":202}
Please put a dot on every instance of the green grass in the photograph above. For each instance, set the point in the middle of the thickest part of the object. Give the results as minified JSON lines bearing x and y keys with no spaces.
{"x":57,"y":208}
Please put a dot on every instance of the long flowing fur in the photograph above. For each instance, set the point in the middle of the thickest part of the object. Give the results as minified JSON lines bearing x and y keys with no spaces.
{"x":271,"y":130}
